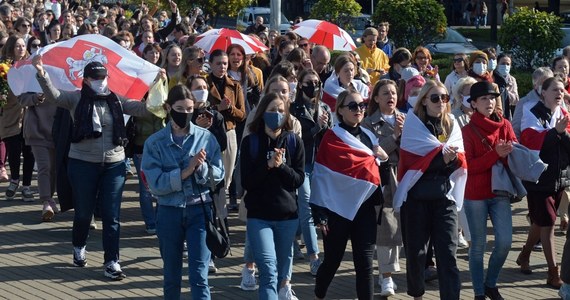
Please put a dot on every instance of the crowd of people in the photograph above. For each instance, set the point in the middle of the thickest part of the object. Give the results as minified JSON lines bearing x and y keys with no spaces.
{"x":376,"y":147}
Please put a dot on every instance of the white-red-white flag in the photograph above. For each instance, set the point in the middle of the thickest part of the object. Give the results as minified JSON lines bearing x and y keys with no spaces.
{"x":418,"y":147}
{"x":533,"y":131}
{"x":346,"y":172}
{"x":129,"y":75}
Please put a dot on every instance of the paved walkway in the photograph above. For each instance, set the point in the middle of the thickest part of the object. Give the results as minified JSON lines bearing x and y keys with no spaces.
{"x":36,"y":261}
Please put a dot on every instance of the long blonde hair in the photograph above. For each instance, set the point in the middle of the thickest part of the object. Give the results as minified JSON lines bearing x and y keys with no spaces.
{"x":420,"y":110}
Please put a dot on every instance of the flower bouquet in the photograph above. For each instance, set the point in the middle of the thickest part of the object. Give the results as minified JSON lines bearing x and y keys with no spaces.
{"x":4,"y":68}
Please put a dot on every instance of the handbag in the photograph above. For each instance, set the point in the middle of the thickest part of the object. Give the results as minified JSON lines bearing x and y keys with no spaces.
{"x":506,"y":176}
{"x":217,"y":240}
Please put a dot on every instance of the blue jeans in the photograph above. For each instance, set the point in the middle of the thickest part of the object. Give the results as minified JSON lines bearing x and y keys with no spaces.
{"x":499,"y":209}
{"x":145,"y":198}
{"x":173,"y":226}
{"x":306,"y":218}
{"x":92,"y":183}
{"x":272,"y":245}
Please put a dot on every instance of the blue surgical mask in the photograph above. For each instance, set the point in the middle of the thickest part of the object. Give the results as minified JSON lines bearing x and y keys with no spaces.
{"x":504,"y":70}
{"x":492,"y":65}
{"x":479,"y":68}
{"x":273,"y":119}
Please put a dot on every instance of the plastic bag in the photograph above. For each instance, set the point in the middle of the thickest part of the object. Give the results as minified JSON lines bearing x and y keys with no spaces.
{"x":156,"y":97}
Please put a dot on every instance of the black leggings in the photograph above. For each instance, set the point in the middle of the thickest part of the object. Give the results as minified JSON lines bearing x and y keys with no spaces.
{"x":16,"y":147}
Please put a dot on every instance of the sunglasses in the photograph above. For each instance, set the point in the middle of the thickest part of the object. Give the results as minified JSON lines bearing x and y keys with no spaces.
{"x":304,"y":45}
{"x":435,"y":98}
{"x":458,"y":59}
{"x":354,"y":107}
{"x":200,"y":60}
{"x":35,"y":45}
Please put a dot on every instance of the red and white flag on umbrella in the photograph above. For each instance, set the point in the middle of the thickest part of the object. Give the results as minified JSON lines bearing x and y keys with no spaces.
{"x":214,"y":39}
{"x":326,"y":34}
{"x":418,"y":147}
{"x":346,"y":172}
{"x":533,"y":131}
{"x":129,"y":75}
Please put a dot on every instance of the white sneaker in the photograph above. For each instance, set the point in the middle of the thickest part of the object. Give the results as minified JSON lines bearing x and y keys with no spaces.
{"x":113,"y":271}
{"x":248,"y":281}
{"x":286,"y":293}
{"x":388,"y":287}
{"x":212,"y":267}
{"x":461,"y":242}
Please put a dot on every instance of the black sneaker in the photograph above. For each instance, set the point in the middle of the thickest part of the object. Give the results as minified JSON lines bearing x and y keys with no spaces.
{"x":113,"y":271}
{"x":493,"y":293}
{"x":12,"y":188}
{"x":79,"y":259}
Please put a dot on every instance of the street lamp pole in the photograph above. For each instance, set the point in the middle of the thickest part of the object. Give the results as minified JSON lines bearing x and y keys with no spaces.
{"x":275,"y":15}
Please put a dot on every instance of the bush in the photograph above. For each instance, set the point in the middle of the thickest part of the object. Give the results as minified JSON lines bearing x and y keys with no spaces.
{"x":531,"y":37}
{"x":335,"y":11}
{"x":412,"y":22}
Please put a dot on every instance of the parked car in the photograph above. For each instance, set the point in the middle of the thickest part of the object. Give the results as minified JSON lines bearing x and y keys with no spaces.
{"x":247,"y":17}
{"x":451,"y":43}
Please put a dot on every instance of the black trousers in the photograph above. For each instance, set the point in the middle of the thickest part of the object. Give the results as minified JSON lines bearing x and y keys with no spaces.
{"x":16,"y":147}
{"x":362,"y":233}
{"x":436,"y":221}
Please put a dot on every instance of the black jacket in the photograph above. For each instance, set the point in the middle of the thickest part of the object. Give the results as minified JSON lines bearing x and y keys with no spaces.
{"x":312,"y":132}
{"x":271,"y":193}
{"x":554,"y":152}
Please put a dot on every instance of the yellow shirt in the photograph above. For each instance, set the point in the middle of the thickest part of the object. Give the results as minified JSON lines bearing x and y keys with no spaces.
{"x":374,"y":59}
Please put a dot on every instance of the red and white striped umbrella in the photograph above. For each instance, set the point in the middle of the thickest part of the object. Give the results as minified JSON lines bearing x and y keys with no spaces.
{"x":221,"y":38}
{"x":326,"y":34}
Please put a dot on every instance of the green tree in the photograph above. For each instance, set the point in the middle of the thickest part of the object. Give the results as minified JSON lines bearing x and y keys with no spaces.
{"x":531,"y":37}
{"x":335,"y":11}
{"x":213,"y":7}
{"x":412,"y":22}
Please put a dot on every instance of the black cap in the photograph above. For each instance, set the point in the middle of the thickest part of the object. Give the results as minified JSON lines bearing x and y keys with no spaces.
{"x":94,"y":70}
{"x":481,"y":89}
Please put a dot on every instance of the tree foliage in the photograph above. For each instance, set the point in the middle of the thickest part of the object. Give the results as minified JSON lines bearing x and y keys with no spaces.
{"x":335,"y":11}
{"x":213,"y":7}
{"x":531,"y":37}
{"x":412,"y":22}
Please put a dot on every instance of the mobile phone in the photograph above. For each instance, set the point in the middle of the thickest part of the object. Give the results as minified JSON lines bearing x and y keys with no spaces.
{"x":208,"y":114}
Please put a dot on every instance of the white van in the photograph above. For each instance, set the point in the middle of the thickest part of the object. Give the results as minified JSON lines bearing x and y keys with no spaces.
{"x":247,"y":17}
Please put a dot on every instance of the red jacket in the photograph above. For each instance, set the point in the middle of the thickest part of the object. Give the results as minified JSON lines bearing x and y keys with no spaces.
{"x":480,"y":158}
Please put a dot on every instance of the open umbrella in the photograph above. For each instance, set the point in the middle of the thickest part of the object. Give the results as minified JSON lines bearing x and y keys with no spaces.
{"x":221,"y":38}
{"x":326,"y":34}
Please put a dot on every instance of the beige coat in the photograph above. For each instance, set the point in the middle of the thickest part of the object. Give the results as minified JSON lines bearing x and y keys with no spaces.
{"x":388,"y":233}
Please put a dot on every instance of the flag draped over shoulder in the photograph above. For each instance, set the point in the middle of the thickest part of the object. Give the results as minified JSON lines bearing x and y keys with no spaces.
{"x":533,"y":131}
{"x":346,"y":172}
{"x":129,"y":75}
{"x":418,"y":147}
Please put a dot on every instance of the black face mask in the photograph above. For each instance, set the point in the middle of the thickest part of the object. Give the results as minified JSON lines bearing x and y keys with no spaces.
{"x":180,"y":119}
{"x":310,"y":89}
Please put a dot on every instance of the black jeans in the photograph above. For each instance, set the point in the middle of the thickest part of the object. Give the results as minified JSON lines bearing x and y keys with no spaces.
{"x":362,"y":234}
{"x":436,"y":221}
{"x":16,"y":147}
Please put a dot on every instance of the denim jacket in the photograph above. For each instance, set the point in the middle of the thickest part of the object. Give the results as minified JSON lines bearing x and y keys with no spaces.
{"x":163,"y":161}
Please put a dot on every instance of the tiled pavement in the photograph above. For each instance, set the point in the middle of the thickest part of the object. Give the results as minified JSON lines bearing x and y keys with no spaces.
{"x":36,"y":261}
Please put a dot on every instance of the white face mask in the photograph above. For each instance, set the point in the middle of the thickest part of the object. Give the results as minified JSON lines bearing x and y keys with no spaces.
{"x":200,"y":95}
{"x":99,"y":86}
{"x":412,"y":100}
{"x":292,"y":91}
{"x":539,"y":90}
{"x":465,"y":103}
{"x":492,"y":64}
{"x":479,"y":68}
{"x":504,"y":70}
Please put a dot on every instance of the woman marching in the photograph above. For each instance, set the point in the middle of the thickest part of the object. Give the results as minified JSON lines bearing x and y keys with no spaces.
{"x":545,"y":128}
{"x":432,"y":173}
{"x":344,"y":191}
{"x":488,"y":139}
{"x":176,"y":162}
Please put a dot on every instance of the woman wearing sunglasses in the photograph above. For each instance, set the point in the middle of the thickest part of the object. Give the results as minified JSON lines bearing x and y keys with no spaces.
{"x":432,"y":174}
{"x":192,"y":64}
{"x":488,"y":138}
{"x":343,"y":195}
